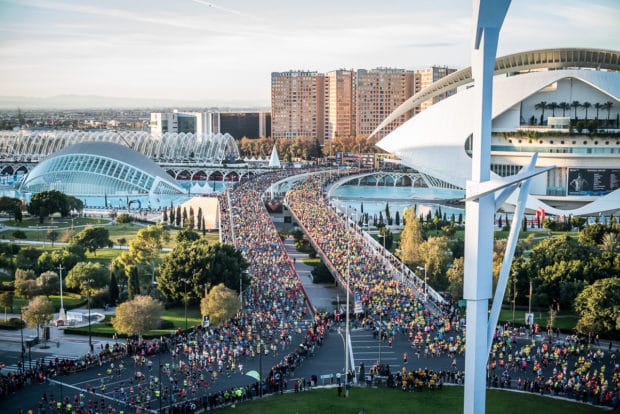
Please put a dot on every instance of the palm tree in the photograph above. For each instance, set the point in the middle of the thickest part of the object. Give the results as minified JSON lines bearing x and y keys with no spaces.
{"x":610,"y":243}
{"x":607,"y":106}
{"x":541,"y":105}
{"x":564,"y":106}
{"x":586,"y":105}
{"x":575,"y":104}
{"x":553,"y":106}
{"x":598,"y":106}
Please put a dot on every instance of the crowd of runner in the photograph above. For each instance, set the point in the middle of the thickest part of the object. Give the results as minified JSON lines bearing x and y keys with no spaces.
{"x":277,"y":321}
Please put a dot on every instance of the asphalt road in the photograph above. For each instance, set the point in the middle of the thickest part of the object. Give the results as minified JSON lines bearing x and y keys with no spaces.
{"x":328,"y":360}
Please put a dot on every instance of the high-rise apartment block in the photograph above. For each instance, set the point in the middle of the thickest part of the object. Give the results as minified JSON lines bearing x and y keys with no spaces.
{"x":379,"y":92}
{"x":340,"y":103}
{"x":297,"y":105}
{"x":345,"y":102}
{"x":429,"y":76}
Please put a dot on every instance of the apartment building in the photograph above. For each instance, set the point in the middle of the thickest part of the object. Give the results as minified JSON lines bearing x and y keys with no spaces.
{"x":297,"y":104}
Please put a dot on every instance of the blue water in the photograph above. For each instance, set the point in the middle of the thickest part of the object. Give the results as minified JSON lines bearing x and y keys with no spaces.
{"x":375,"y":198}
{"x":153,"y":203}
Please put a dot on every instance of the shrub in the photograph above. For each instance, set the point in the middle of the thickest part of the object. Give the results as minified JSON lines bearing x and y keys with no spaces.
{"x":19,"y":234}
{"x":320,"y":274}
{"x":12,"y":324}
{"x":124,"y":218}
{"x":166,"y":324}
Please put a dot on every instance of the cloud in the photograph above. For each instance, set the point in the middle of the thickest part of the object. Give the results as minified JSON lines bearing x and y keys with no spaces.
{"x":214,"y":6}
{"x":112,"y":13}
{"x":430,"y":44}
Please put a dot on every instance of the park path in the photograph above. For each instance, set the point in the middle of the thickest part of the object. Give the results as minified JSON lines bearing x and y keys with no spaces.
{"x":320,"y":295}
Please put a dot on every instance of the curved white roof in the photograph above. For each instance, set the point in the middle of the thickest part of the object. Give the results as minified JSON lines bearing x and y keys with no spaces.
{"x":433,"y":141}
{"x":93,"y":168}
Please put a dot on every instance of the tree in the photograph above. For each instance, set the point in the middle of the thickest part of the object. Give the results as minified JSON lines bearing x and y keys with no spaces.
{"x":12,"y":207}
{"x":553,"y":106}
{"x":564,"y":106}
{"x":598,"y":106}
{"x":436,"y":255}
{"x":25,"y":283}
{"x":199,"y":222}
{"x":113,"y":289}
{"x":541,"y":105}
{"x":177,"y":219}
{"x":455,"y":277}
{"x":607,"y":106}
{"x":172,"y":215}
{"x":52,"y":236}
{"x":220,"y":304}
{"x":49,"y":202}
{"x":386,"y":237}
{"x":86,"y":277}
{"x":138,"y":316}
{"x":122,"y":241}
{"x":48,"y":283}
{"x":575,"y":105}
{"x":39,"y":312}
{"x":93,"y":238}
{"x":133,"y":283}
{"x":68,"y":257}
{"x":410,"y":238}
{"x":145,"y":248}
{"x":397,"y":218}
{"x":202,"y":263}
{"x":6,"y":301}
{"x":598,"y":306}
{"x":187,"y":235}
{"x":164,"y":216}
{"x":585,"y":106}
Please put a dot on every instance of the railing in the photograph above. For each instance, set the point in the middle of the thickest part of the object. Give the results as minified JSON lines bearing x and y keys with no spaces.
{"x":398,"y":268}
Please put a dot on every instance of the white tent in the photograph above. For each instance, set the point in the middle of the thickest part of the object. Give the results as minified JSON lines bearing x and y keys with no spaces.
{"x":274,"y":161}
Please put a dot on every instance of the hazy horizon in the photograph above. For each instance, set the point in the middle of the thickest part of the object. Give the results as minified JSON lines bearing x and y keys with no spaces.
{"x":218,"y":53}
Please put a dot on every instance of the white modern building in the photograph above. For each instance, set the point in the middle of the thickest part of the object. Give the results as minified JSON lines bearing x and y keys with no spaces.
{"x":198,"y":123}
{"x":562,"y":103}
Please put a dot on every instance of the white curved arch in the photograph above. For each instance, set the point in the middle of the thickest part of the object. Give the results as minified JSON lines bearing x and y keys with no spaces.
{"x":440,"y":132}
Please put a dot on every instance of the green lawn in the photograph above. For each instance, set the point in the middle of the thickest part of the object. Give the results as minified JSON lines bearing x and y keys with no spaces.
{"x":69,"y":299}
{"x":387,"y":401}
{"x":174,"y":315}
{"x":564,"y":321}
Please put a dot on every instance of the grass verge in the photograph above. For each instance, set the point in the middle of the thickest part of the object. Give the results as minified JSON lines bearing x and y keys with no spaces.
{"x":389,"y":401}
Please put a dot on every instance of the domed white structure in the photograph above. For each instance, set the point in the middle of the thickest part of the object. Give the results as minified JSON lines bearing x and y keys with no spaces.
{"x":97,"y":168}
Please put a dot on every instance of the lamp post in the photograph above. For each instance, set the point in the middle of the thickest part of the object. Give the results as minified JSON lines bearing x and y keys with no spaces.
{"x":90,"y":336}
{"x":185,"y":297}
{"x":21,"y":319}
{"x":61,"y":313}
{"x":260,"y":361}
{"x":514,"y":295}
{"x":346,"y":331}
{"x":423,"y":268}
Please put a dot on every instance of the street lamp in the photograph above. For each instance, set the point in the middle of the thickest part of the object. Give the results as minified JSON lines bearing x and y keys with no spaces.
{"x":61,"y":313}
{"x":514,"y":294}
{"x":346,"y":331}
{"x":186,"y":282}
{"x":90,"y":336}
{"x":424,"y":268}
{"x":21,"y":319}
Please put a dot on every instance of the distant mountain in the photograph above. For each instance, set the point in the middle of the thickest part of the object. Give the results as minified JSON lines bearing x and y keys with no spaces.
{"x":106,"y":102}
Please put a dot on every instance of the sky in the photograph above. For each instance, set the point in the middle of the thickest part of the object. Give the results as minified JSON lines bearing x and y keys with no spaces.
{"x":225,"y":50}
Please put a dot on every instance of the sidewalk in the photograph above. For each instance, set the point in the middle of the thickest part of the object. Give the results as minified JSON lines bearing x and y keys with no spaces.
{"x":321,"y":296}
{"x":59,"y":343}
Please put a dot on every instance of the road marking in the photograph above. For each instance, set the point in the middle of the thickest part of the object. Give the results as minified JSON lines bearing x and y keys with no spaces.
{"x":82,"y":390}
